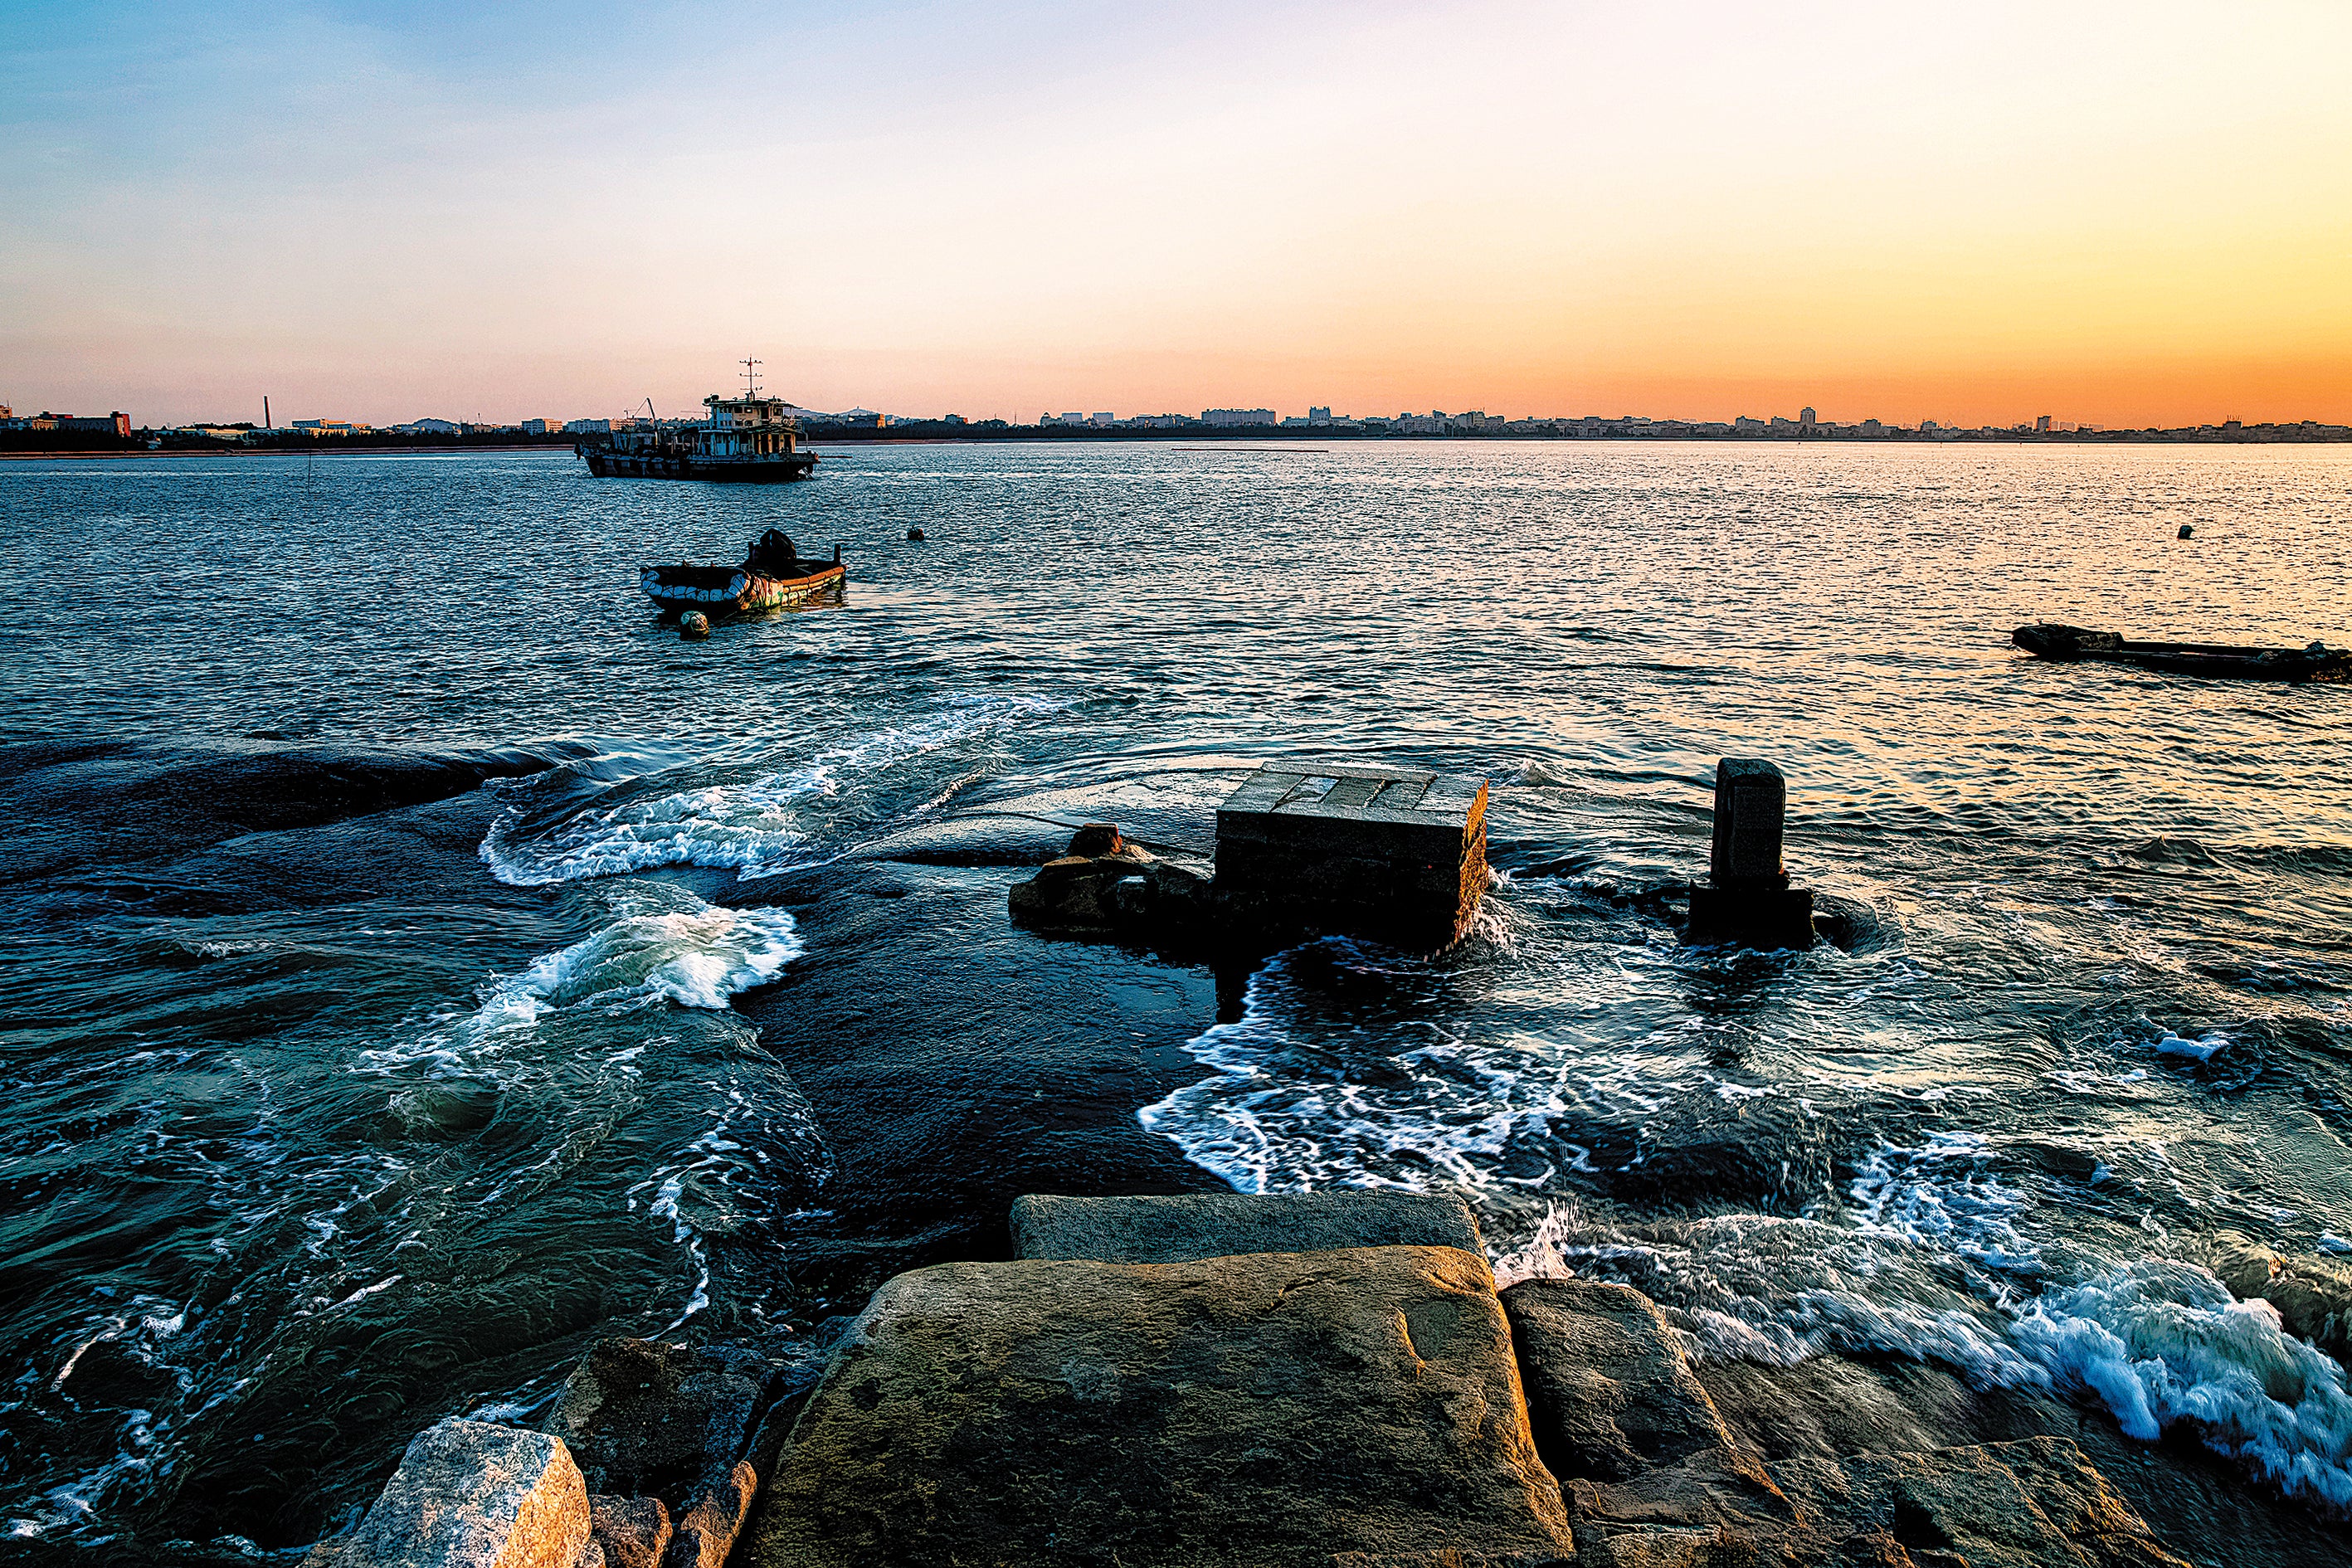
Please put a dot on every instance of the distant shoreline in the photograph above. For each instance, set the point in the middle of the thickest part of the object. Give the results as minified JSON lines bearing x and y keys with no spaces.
{"x":894,"y":437}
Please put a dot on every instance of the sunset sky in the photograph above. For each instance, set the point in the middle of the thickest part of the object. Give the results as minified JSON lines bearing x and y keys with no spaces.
{"x":2123,"y":214}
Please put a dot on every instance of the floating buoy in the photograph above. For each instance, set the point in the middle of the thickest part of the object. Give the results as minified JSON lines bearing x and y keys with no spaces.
{"x":915,"y":534}
{"x":693,"y":626}
{"x":2186,"y":530}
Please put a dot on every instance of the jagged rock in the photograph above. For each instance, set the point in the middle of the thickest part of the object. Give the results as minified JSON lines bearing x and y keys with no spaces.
{"x":655,"y":1420}
{"x":683,"y":1425}
{"x":634,"y":1531}
{"x":1353,"y":1407}
{"x":713,"y":1516}
{"x":2313,"y":1294}
{"x":1081,"y":889}
{"x":471,"y":1495}
{"x":1610,"y":1391}
{"x":1175,"y":1229}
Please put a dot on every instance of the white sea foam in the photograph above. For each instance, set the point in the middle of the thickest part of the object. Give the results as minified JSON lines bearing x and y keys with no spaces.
{"x":758,"y":826}
{"x":2162,"y":1343}
{"x":2203,"y":1047}
{"x":663,"y":945}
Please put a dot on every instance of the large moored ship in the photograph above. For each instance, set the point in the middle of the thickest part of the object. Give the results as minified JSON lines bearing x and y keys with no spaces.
{"x":749,"y":438}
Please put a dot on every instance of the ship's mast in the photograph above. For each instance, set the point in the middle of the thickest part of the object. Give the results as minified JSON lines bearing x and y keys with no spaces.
{"x":751,"y":377}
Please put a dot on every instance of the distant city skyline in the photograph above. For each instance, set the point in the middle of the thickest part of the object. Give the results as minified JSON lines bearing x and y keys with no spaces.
{"x":2136,"y":213}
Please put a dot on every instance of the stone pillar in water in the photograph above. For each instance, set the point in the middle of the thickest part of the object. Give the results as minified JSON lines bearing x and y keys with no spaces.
{"x":1746,"y":898}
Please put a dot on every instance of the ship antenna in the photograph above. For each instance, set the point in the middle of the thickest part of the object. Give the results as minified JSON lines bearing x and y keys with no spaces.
{"x":751,"y":377}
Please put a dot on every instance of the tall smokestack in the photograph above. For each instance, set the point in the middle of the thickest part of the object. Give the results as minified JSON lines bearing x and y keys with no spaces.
{"x":265,"y":425}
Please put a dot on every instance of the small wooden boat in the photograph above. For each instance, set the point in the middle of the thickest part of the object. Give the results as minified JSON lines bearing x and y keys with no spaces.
{"x":774,"y":575}
{"x":2067,"y":644}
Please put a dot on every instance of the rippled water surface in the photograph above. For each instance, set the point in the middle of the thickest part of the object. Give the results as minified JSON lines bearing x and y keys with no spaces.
{"x":341,"y":1094}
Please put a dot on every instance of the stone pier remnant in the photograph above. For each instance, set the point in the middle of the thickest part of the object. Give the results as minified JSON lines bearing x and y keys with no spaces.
{"x":1304,"y":848}
{"x":1394,"y":852}
{"x":1746,"y":898}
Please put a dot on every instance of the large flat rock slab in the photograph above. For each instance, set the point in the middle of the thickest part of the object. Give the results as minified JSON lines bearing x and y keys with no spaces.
{"x":1189,"y":1225}
{"x":1356,"y":1408}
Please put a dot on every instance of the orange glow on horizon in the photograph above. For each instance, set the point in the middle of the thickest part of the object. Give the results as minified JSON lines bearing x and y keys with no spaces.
{"x":2123,"y":214}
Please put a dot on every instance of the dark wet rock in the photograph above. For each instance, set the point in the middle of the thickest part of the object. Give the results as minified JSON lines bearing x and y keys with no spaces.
{"x":1182,"y":1227}
{"x":129,"y":803}
{"x":1610,"y":1392}
{"x":1354,"y":1407}
{"x":2313,"y":1294}
{"x":633,"y":1532}
{"x":653,"y":1420}
{"x":470,"y":1493}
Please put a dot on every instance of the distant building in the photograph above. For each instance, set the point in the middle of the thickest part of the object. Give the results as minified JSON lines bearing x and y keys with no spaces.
{"x":2041,"y":423}
{"x":1318,"y":416}
{"x":327,"y":426}
{"x":539,"y":426}
{"x":1237,"y":416}
{"x":570,"y":426}
{"x":951,"y":419}
{"x":1807,"y":416}
{"x":1423,"y":424}
{"x":1102,"y":421}
{"x":115,"y":423}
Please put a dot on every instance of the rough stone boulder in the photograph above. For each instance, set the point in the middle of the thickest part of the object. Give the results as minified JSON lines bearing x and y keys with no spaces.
{"x":1351,"y":1408}
{"x":633,"y":1532}
{"x":1655,"y":1475}
{"x":1610,"y":1391}
{"x":2036,"y":1504}
{"x":2313,"y":1294}
{"x":1101,"y":883}
{"x":671,"y":1422}
{"x":1176,"y":1229}
{"x":472,"y":1495}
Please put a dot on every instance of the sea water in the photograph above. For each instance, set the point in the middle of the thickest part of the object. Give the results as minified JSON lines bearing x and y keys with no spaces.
{"x":327,"y":1118}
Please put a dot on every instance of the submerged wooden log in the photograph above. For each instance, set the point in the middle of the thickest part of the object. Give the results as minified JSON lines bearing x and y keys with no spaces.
{"x":2068,"y":645}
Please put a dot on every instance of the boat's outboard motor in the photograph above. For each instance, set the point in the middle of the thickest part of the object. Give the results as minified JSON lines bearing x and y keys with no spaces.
{"x":772,"y":552}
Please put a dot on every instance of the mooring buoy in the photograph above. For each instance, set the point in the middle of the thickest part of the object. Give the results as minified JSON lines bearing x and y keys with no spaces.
{"x":2185,"y":529}
{"x":915,"y":534}
{"x":693,"y":626}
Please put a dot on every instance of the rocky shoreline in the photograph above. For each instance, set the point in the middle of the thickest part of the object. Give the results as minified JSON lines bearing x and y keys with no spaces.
{"x":1327,"y":1379}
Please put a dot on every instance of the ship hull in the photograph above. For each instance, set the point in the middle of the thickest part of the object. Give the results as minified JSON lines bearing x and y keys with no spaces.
{"x":762,"y":471}
{"x":733,"y":591}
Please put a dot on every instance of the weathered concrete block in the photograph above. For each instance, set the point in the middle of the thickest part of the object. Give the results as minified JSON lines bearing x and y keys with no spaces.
{"x":1395,"y":853}
{"x":1178,"y":1229}
{"x":1275,"y":1409}
{"x":472,"y":1495}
